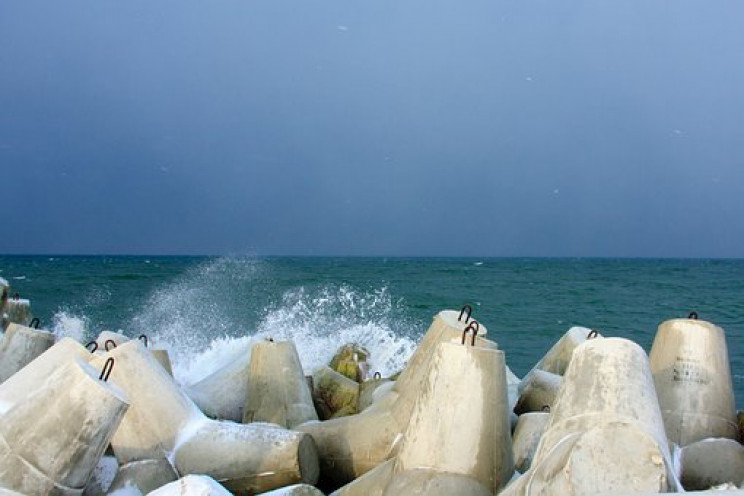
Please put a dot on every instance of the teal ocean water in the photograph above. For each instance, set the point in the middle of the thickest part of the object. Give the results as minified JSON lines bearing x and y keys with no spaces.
{"x":206,"y":310}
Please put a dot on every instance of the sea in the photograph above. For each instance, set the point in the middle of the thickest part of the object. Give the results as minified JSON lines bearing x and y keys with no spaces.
{"x":206,"y":311}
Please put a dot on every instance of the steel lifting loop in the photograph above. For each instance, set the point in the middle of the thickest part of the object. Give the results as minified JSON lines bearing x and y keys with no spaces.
{"x":377,"y":376}
{"x":95,"y":346}
{"x":466,"y":309}
{"x":693,"y":315}
{"x":109,"y":342}
{"x":35,"y":322}
{"x":144,"y":339}
{"x":546,"y":408}
{"x":592,"y":334}
{"x":106,"y":370}
{"x":473,"y":326}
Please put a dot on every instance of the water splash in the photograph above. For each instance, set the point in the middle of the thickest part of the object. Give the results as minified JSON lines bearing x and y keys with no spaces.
{"x":65,"y":324}
{"x":322,"y":320}
{"x":198,"y":318}
{"x":213,"y":314}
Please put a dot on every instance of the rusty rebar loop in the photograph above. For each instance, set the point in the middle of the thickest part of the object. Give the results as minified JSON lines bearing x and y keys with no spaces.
{"x":592,"y":334}
{"x":693,"y":315}
{"x":377,"y":376}
{"x":95,"y":346}
{"x":467,"y":310}
{"x":106,"y":370}
{"x":473,"y":327}
{"x":143,"y":338}
{"x":35,"y":322}
{"x":109,"y":342}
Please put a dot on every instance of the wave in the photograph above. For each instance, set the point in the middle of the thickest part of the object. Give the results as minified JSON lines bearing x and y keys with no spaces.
{"x":215,"y":311}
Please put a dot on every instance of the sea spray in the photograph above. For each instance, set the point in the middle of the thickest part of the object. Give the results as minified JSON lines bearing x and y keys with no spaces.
{"x":208,"y":317}
{"x":321,"y":320}
{"x":68,"y":325}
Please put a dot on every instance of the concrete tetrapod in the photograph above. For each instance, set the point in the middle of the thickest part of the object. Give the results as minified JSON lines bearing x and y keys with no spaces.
{"x":108,"y":340}
{"x":51,"y":442}
{"x":192,"y":485}
{"x":459,"y":428}
{"x":221,"y":395}
{"x":102,"y":477}
{"x":143,"y":476}
{"x":162,"y":357}
{"x":33,"y":375}
{"x":277,"y":389}
{"x":367,"y":392}
{"x":558,"y":357}
{"x":458,"y":440}
{"x":18,"y":311}
{"x":334,"y":394}
{"x":605,"y":434}
{"x":162,"y":420}
{"x":690,"y":365}
{"x":530,"y":428}
{"x":296,"y":490}
{"x":4,"y":294}
{"x":19,"y":346}
{"x":539,"y":389}
{"x":350,"y":446}
{"x":711,"y":462}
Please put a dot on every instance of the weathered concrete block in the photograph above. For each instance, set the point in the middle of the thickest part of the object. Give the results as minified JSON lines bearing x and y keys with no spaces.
{"x":334,"y":394}
{"x":604,"y":434}
{"x":192,"y":485}
{"x":460,"y":425}
{"x":367,"y":392}
{"x":690,"y":364}
{"x":32,"y":376}
{"x":19,"y":346}
{"x":351,"y":361}
{"x":539,"y":389}
{"x":143,"y":476}
{"x":529,"y":430}
{"x":51,"y":442}
{"x":222,"y":394}
{"x":163,"y":421}
{"x":17,"y":311}
{"x":558,"y":357}
{"x":277,"y":390}
{"x":712,"y":462}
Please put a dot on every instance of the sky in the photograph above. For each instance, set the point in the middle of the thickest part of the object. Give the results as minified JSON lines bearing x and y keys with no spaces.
{"x":373,"y":127}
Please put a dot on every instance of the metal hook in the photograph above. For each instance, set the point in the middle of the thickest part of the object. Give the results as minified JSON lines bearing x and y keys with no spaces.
{"x":546,"y":408}
{"x":95,"y":346}
{"x":35,"y":322}
{"x":592,"y":334}
{"x":143,"y":338}
{"x":106,"y":370}
{"x":377,"y":376}
{"x":106,"y":344}
{"x":473,"y":326}
{"x":693,"y":315}
{"x":465,"y":309}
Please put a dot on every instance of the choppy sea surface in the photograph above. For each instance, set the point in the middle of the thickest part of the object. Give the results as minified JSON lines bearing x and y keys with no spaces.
{"x":206,"y":311}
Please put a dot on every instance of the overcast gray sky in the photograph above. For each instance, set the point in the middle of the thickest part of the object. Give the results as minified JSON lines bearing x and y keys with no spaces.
{"x":375,"y":127}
